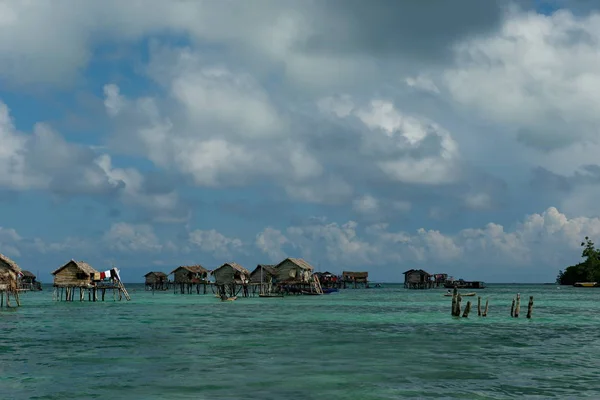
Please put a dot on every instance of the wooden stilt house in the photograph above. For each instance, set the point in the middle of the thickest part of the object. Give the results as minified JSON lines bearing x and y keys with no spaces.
{"x":188,"y":277}
{"x":28,"y":281}
{"x":80,"y":275}
{"x":263,"y":278}
{"x":355,"y":279}
{"x":9,"y":276}
{"x":231,"y":278}
{"x":156,"y":280}
{"x":294,"y":275}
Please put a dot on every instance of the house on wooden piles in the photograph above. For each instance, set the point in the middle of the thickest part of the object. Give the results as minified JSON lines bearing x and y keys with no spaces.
{"x":418,"y":279}
{"x":28,"y":281}
{"x":73,"y":275}
{"x":294,"y":275}
{"x":230,"y":278}
{"x":329,"y":280}
{"x":355,"y":279}
{"x":189,"y":276}
{"x":80,"y":275}
{"x":9,"y":276}
{"x":263,"y":278}
{"x":156,"y":280}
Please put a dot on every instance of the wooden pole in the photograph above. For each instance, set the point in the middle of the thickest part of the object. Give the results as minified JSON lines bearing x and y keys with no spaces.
{"x":530,"y":307}
{"x":467,"y":309}
{"x":479,"y":306}
{"x":485,"y":311}
{"x":454,"y":294}
{"x":518,"y":306}
{"x":458,"y":300}
{"x":512,"y":309}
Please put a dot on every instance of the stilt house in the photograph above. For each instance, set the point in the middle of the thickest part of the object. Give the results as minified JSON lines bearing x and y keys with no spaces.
{"x":230,"y":278}
{"x":156,"y":280}
{"x":188,"y":276}
{"x":9,"y":275}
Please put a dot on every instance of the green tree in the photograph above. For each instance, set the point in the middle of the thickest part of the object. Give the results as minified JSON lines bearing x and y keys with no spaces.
{"x":586,"y":271}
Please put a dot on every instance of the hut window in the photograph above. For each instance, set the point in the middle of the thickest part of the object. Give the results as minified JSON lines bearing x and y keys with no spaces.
{"x":81,"y":275}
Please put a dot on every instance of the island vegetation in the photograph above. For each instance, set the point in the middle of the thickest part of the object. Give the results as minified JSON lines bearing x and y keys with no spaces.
{"x":586,"y":271}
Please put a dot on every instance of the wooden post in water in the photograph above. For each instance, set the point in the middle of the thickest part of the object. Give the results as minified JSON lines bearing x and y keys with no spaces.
{"x":530,"y":307}
{"x":467,"y":309}
{"x":479,"y":306}
{"x":485,"y":311}
{"x":454,"y":293}
{"x":518,"y":306}
{"x":512,"y":309}
{"x":458,"y":300}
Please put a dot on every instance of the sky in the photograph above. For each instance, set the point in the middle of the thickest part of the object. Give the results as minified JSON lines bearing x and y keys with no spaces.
{"x":373,"y":136}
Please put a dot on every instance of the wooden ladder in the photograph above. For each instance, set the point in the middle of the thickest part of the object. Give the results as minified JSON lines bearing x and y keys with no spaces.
{"x":122,"y":288}
{"x":317,"y":284}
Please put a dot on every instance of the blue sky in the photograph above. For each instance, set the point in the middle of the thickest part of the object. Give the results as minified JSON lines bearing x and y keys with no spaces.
{"x":360,"y":136}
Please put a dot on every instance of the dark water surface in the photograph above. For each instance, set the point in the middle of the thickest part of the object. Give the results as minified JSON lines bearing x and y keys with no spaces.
{"x":385,"y":343}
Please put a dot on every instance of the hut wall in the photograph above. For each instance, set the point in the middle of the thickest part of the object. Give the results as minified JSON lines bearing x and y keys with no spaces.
{"x":414,"y":277}
{"x":153,"y":278}
{"x":182,"y":275}
{"x":71,"y":275}
{"x":288,"y":270}
{"x":255,"y":276}
{"x":8,"y":278}
{"x":224,"y":275}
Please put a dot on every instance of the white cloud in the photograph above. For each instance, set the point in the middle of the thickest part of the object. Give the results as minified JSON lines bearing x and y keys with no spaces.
{"x":405,"y":148}
{"x":541,"y":242}
{"x":422,"y":83}
{"x":126,"y":237}
{"x":215,"y":243}
{"x":45,"y":160}
{"x":537,"y":75}
{"x":366,"y":204}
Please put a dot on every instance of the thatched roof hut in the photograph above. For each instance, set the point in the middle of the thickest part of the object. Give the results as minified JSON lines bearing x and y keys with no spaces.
{"x":190,"y":274}
{"x":9,"y":273}
{"x":231,"y":273}
{"x":294,"y":270}
{"x":264,"y":271}
{"x":358,"y":277}
{"x":74,"y":274}
{"x":156,"y":277}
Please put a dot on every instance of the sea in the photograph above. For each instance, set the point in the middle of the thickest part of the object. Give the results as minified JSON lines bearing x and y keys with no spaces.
{"x":378,"y":343}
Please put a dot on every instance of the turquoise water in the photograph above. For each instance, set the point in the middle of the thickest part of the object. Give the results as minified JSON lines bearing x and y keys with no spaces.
{"x":385,"y":343}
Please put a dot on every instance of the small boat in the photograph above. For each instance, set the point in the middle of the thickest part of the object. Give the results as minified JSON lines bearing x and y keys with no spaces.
{"x":462,"y":294}
{"x":585,"y":284}
{"x":329,"y":290}
{"x":270,"y":295}
{"x":307,"y":293}
{"x":229,"y":298}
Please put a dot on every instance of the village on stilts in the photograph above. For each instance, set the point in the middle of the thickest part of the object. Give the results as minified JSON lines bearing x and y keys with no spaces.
{"x":79,"y":281}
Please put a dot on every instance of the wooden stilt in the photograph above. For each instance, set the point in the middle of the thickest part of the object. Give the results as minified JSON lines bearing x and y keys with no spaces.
{"x":467,"y":309}
{"x":512,"y":308}
{"x":485,"y":311}
{"x":454,"y":299}
{"x":479,"y":306}
{"x":530,"y":307}
{"x":518,"y":306}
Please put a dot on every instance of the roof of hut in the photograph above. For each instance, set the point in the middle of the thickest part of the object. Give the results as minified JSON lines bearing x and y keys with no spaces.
{"x":356,"y":274}
{"x":157,"y":273}
{"x":192,"y":268}
{"x":235,"y":266}
{"x":266,"y":267}
{"x":28,"y":274}
{"x":416,"y":270}
{"x":299,"y":262}
{"x":10,"y":263}
{"x":82,"y":265}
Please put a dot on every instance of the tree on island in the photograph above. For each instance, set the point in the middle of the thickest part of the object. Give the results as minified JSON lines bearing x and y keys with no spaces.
{"x":586,"y":271}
